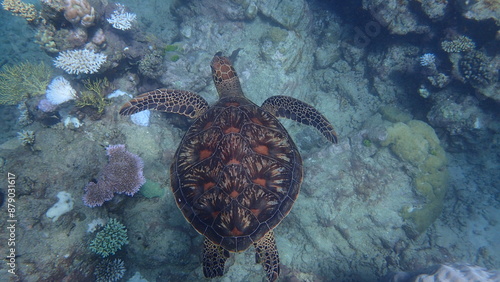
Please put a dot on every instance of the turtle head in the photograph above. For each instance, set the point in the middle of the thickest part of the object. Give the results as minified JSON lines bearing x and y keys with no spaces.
{"x":225,"y":78}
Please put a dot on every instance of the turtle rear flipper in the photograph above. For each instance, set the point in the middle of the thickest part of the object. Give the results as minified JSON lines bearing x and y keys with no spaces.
{"x":288,"y":107}
{"x":266,"y":253}
{"x":214,"y":258}
{"x":167,"y":100}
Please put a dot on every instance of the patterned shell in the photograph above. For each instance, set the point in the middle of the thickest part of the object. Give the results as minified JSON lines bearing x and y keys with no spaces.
{"x":236,"y":174}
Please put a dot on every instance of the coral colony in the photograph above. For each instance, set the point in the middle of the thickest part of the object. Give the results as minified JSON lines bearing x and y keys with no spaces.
{"x":60,"y":91}
{"x":109,"y":270}
{"x":110,"y":239}
{"x":427,"y":60}
{"x":79,"y":61}
{"x":122,"y":174}
{"x":121,"y":19}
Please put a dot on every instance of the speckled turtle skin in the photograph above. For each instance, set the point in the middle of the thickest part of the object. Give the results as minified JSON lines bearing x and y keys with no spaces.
{"x":237,"y":172}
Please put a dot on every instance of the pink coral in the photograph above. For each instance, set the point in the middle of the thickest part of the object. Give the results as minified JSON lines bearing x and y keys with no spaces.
{"x":122,"y":174}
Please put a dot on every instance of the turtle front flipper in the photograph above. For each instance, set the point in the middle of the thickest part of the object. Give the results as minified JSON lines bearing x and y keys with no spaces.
{"x":267,"y":255}
{"x":214,"y":258}
{"x":167,"y":100}
{"x":288,"y":107}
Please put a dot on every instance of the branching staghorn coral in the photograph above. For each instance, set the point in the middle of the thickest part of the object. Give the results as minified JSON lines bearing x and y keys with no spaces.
{"x":18,"y":82}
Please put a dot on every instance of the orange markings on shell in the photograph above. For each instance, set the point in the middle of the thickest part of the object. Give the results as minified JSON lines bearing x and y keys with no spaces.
{"x":208,"y":185}
{"x":259,"y":181}
{"x":255,"y":212}
{"x":256,"y":121}
{"x":231,"y":129}
{"x":233,"y":161}
{"x":207,"y":125}
{"x":205,"y":154}
{"x":262,"y":149}
{"x":236,"y":232}
{"x":234,"y":194}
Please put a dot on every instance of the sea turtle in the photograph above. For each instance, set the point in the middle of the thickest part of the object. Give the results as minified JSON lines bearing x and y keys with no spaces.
{"x":237,"y":172}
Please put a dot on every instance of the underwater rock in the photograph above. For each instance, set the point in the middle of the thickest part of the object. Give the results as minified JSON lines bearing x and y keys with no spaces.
{"x":289,"y":14}
{"x":141,"y":118}
{"x":282,"y":47}
{"x":395,"y":16}
{"x":434,"y":9}
{"x":465,"y":123}
{"x":481,"y":10}
{"x":445,"y":272}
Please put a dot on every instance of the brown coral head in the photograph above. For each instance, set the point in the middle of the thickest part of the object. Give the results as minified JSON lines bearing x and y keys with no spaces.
{"x":79,"y":12}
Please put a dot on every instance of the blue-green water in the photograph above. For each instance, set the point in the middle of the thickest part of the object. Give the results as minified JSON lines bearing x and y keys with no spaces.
{"x":411,"y":89}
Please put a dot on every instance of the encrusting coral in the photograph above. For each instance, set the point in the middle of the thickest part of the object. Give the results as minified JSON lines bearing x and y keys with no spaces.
{"x":416,"y":143}
{"x":18,"y":82}
{"x":122,"y":174}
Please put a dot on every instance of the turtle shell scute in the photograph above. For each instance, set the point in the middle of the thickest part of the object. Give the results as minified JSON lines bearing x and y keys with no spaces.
{"x":236,"y":173}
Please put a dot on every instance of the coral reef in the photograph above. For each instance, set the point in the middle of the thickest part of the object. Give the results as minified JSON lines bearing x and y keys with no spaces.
{"x":21,"y":9}
{"x":23,"y":80}
{"x":79,"y":12}
{"x":395,"y":16}
{"x":110,"y":239}
{"x":466,"y":126}
{"x":476,"y":69}
{"x":428,"y":60}
{"x":27,"y":137}
{"x":460,"y":44}
{"x":80,"y":61}
{"x":151,"y":64}
{"x":109,"y":270}
{"x":120,"y":19}
{"x":122,"y":174}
